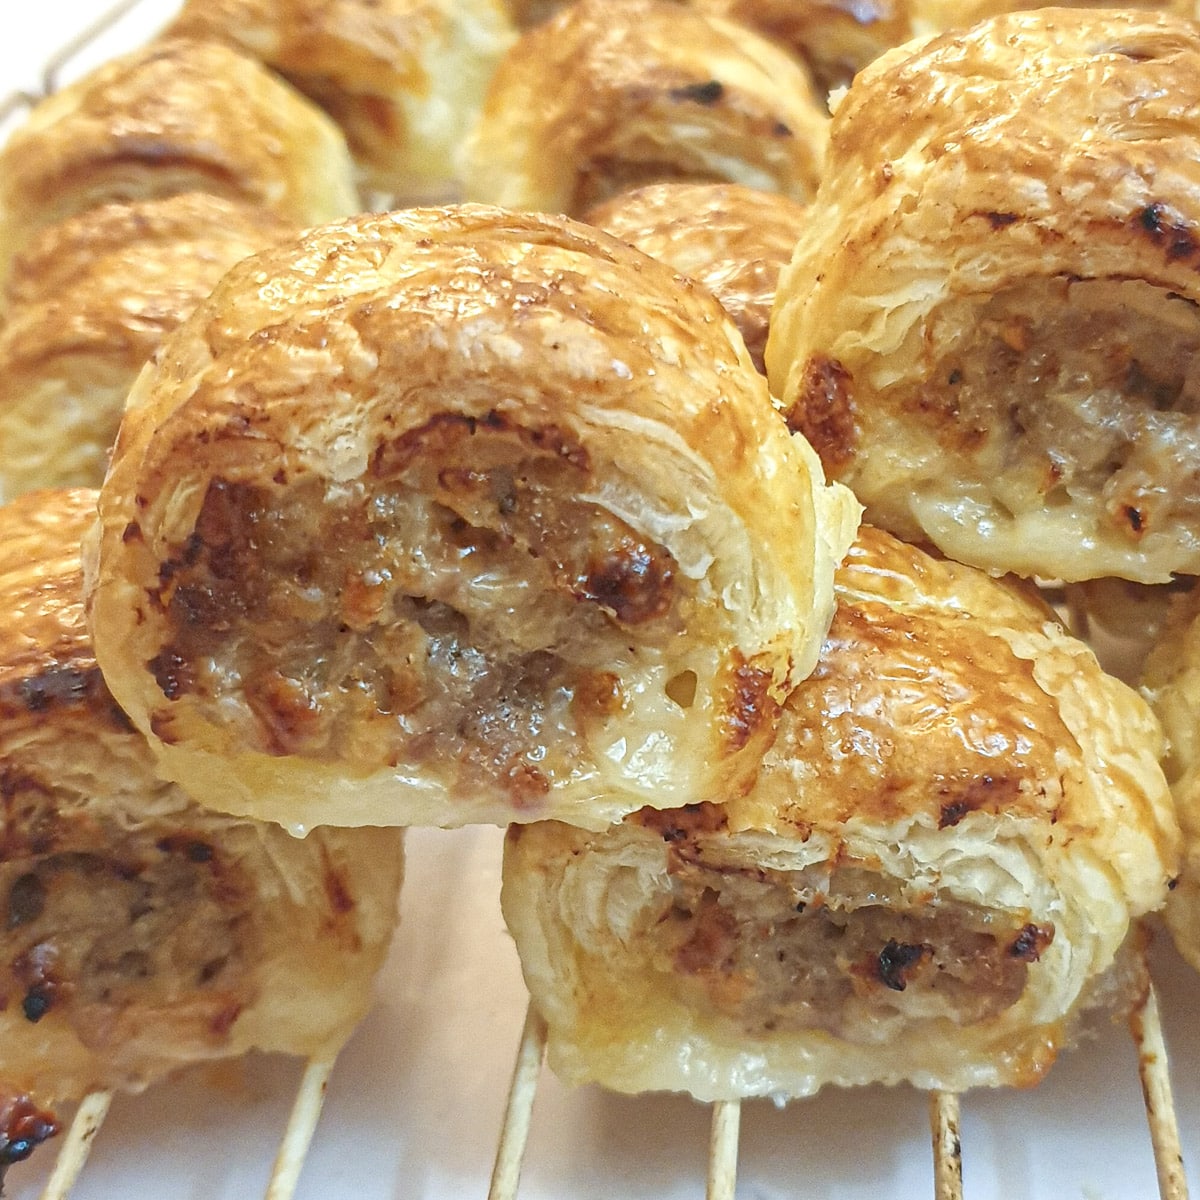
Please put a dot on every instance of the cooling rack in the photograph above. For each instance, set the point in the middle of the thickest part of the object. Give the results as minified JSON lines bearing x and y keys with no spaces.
{"x":442,"y":1093}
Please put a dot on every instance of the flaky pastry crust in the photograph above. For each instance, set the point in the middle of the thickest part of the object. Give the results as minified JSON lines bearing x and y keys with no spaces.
{"x":142,"y":933}
{"x":174,"y":116}
{"x":608,"y":95}
{"x":458,"y":515}
{"x":989,"y":324}
{"x":1171,"y":682}
{"x":404,"y":79}
{"x":938,"y":870}
{"x":732,"y":239}
{"x":89,"y":302}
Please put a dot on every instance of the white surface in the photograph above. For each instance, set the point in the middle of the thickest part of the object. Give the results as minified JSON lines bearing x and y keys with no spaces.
{"x":415,"y":1105}
{"x":416,"y":1102}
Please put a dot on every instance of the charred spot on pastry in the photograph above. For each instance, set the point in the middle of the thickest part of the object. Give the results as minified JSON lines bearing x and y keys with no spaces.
{"x":598,"y":694}
{"x":1176,"y":238}
{"x":999,"y":220}
{"x":823,"y":411}
{"x":172,"y":673}
{"x":24,"y":1126}
{"x":57,"y":685}
{"x":194,"y":849}
{"x":897,"y":959}
{"x":26,"y":901}
{"x":37,"y":1002}
{"x":630,"y":580}
{"x":981,"y":792}
{"x":683,"y":824}
{"x":37,"y":971}
{"x":1032,"y":940}
{"x":745,"y":703}
{"x":708,"y":93}
{"x":132,"y":533}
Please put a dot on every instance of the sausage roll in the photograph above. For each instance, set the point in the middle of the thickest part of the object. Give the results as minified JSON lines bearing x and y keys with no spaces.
{"x":140,"y":932}
{"x":937,"y":871}
{"x":403,"y":78}
{"x":608,"y":95}
{"x":837,"y":38}
{"x":175,"y":116}
{"x":1171,"y":682}
{"x":87,"y":304}
{"x":468,"y":515}
{"x":990,"y":324}
{"x":731,"y":238}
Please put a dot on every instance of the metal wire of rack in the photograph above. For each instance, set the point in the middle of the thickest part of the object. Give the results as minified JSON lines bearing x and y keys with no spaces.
{"x":944,"y":1108}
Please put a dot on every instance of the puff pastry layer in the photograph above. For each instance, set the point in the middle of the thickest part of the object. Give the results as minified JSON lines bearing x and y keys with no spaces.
{"x":935,"y":874}
{"x":140,"y":932}
{"x":989,"y":325}
{"x":88,"y":303}
{"x":608,"y":95}
{"x":404,"y":79}
{"x":1171,"y":682}
{"x":459,"y":515}
{"x":175,"y":116}
{"x":732,"y":239}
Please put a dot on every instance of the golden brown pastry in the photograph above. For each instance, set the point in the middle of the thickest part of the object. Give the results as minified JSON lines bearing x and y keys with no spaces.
{"x":938,"y":871}
{"x":458,"y":515}
{"x":531,"y":12}
{"x":732,"y":239}
{"x":176,"y":116}
{"x":88,"y":303}
{"x":139,"y":932}
{"x":608,"y":95}
{"x":989,"y":327}
{"x":1171,"y":682}
{"x":837,"y":38}
{"x":403,"y":78}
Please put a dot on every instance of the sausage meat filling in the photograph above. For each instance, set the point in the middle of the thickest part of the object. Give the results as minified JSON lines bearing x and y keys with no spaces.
{"x":95,"y":939}
{"x":775,"y":952}
{"x":466,"y":604}
{"x":1079,"y":390}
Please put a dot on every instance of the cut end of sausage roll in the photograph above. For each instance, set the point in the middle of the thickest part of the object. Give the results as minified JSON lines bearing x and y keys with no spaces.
{"x":139,"y":932}
{"x":990,"y":324}
{"x":609,"y":95}
{"x":938,"y":872}
{"x":89,"y":302}
{"x":404,"y":79}
{"x":732,"y":239}
{"x":175,"y":116}
{"x":463,"y":515}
